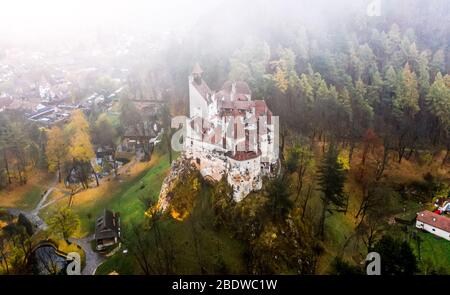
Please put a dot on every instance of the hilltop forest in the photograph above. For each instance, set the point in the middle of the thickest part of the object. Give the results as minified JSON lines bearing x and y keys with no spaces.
{"x":364,"y":106}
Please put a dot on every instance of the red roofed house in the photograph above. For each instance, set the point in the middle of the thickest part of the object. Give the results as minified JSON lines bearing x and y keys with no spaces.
{"x":230,"y":133}
{"x":436,"y":224}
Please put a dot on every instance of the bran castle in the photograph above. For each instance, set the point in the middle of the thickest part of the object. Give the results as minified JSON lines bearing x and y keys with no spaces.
{"x":230,"y":134}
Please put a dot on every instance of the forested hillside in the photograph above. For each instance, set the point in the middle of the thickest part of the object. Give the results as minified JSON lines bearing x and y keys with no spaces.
{"x":364,"y":109}
{"x":364,"y":106}
{"x":337,"y":72}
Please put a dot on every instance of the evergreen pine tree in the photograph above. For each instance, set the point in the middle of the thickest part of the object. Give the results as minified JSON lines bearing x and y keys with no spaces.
{"x":331,"y":182}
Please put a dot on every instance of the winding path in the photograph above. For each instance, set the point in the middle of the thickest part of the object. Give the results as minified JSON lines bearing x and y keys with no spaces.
{"x":93,"y":259}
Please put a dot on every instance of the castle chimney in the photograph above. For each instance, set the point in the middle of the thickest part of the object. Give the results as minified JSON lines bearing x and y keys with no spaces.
{"x":233,"y":90}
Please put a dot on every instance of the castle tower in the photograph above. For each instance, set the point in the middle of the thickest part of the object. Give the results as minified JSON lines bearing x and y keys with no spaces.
{"x":199,"y":93}
{"x":197,"y":74}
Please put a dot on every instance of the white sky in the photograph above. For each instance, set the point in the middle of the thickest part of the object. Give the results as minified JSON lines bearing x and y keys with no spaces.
{"x":22,"y":19}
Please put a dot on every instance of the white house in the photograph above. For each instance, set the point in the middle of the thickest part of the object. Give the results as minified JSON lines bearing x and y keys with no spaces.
{"x":229,"y":133}
{"x":436,"y":224}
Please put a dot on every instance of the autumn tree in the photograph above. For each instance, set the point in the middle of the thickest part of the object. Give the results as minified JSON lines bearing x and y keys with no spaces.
{"x":64,"y":223}
{"x":405,"y":108}
{"x":438,"y":103}
{"x":284,"y":88}
{"x":17,"y":247}
{"x":4,"y":256}
{"x":80,"y":149}
{"x":299,"y":161}
{"x":56,"y":150}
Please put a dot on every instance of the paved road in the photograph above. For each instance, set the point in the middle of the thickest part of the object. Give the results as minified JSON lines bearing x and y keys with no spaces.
{"x":93,"y":259}
{"x":44,"y":198}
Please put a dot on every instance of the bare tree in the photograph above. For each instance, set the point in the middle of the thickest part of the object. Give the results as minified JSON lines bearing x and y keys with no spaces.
{"x":369,"y":202}
{"x":140,"y":249}
{"x":369,"y":232}
{"x":4,"y":255}
{"x":307,"y":197}
{"x":48,"y":261}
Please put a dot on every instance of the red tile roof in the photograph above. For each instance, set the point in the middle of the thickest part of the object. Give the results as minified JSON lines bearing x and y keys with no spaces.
{"x":433,"y":219}
{"x":232,"y":108}
{"x":241,"y":87}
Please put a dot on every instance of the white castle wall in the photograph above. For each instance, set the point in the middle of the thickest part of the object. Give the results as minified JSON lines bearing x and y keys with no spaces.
{"x":244,"y":177}
{"x":197,"y":104}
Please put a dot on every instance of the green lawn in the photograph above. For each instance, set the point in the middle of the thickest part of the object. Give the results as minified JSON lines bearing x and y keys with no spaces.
{"x":128,"y":198}
{"x":31,"y":198}
{"x":435,"y":253}
{"x":212,"y":244}
{"x":338,"y":228}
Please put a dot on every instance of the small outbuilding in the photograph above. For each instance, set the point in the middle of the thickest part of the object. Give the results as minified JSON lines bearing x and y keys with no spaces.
{"x":436,"y":224}
{"x":107,"y":230}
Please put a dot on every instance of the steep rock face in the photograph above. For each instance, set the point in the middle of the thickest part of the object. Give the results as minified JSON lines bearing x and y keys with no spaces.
{"x":180,"y":167}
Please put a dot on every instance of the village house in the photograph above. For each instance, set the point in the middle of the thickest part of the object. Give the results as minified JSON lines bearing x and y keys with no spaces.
{"x":105,"y":159}
{"x":436,"y":224}
{"x":140,"y":139}
{"x":57,"y":92}
{"x":229,"y":133}
{"x":48,"y":115}
{"x":107,"y":230}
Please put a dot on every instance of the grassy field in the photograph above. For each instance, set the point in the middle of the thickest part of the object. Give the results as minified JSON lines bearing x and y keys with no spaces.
{"x":27,"y":196}
{"x":434,"y":253}
{"x":129,"y":195}
{"x":31,"y":198}
{"x":197,"y":229}
{"x":126,"y":197}
{"x":339,"y":227}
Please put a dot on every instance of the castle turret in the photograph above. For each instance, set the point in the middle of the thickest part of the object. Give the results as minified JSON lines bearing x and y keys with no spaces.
{"x":197,"y":73}
{"x":199,"y":93}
